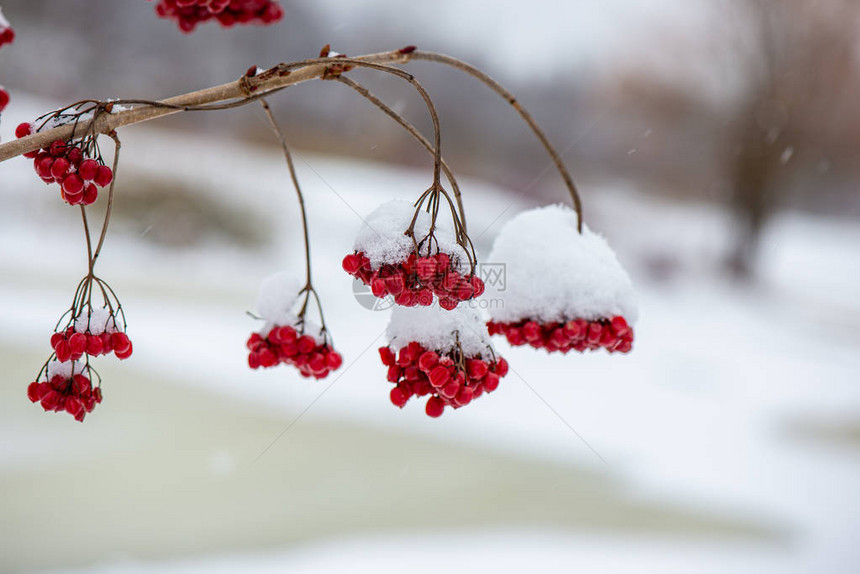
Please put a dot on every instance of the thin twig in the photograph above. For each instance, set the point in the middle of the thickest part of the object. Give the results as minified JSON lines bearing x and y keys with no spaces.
{"x":117,"y":147}
{"x":308,"y":289}
{"x":413,"y":131}
{"x":525,"y":115}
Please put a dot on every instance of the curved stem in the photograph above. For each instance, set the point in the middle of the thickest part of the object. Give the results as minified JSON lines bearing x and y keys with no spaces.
{"x":414,"y":132}
{"x":345,"y":63}
{"x":308,"y":289}
{"x":509,"y":97}
{"x":117,"y":147}
{"x":89,"y":241}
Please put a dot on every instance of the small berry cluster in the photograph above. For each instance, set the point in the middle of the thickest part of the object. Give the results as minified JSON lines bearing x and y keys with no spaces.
{"x":418,"y":371}
{"x":71,"y":345}
{"x":415,"y":280}
{"x":66,"y":164}
{"x":73,"y":394}
{"x":4,"y":98}
{"x":189,"y":13}
{"x":286,"y":345}
{"x":614,"y":335}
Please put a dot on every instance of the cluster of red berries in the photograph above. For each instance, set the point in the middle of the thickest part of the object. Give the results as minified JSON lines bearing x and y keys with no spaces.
{"x":79,"y":177}
{"x":286,"y":345}
{"x":71,"y":345}
{"x":74,"y":394}
{"x":4,"y":98}
{"x":418,"y":371}
{"x":189,"y":13}
{"x":415,"y":280}
{"x":614,"y":335}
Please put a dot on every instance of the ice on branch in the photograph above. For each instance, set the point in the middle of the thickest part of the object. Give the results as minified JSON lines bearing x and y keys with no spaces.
{"x":554,"y":273}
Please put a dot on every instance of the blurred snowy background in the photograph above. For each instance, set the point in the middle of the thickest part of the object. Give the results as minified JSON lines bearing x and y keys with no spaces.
{"x":714,"y":143}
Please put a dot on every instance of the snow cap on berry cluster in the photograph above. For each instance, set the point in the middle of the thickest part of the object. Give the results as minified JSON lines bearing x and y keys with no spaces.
{"x":383,"y":241}
{"x":276,"y":304}
{"x":278,"y":294}
{"x":554,"y":273}
{"x":65,"y":370}
{"x":96,"y":322}
{"x":434,"y":328}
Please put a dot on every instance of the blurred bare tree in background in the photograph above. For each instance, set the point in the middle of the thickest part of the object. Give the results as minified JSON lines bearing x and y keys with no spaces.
{"x":800,"y":83}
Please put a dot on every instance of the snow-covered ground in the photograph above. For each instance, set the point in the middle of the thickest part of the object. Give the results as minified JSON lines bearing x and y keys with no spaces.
{"x":703,"y":415}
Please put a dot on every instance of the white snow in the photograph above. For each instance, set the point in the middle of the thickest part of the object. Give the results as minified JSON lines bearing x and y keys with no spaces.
{"x":434,"y":328}
{"x":65,"y":370}
{"x":278,"y":302}
{"x":554,"y":273}
{"x":383,"y":241}
{"x":277,"y":297}
{"x":4,"y":23}
{"x":95,"y":321}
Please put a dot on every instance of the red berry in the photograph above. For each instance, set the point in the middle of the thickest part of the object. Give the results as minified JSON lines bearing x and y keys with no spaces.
{"x":306,"y":344}
{"x":34,"y":392}
{"x":24,"y":129}
{"x":476,"y":368}
{"x":94,"y":345}
{"x":387,"y":356}
{"x":60,"y":167}
{"x":427,"y":361}
{"x":104,"y":176}
{"x":78,"y":344}
{"x":439,"y":376}
{"x":435,"y":407}
{"x":120,"y":342}
{"x":464,"y":397}
{"x":491,"y":382}
{"x":334,"y":360}
{"x":501,"y":367}
{"x":126,"y":353}
{"x":88,"y":169}
{"x":351,"y":263}
{"x":398,"y":396}
{"x":73,"y":184}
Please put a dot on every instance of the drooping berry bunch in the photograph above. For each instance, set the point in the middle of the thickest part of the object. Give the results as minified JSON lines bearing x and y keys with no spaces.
{"x":557,"y":275}
{"x":189,"y":13}
{"x":7,"y":34}
{"x":285,"y":345}
{"x":415,"y":280}
{"x":450,"y":379}
{"x":70,"y":165}
{"x":286,"y":338}
{"x":614,"y":335}
{"x":68,"y":388}
{"x":389,"y":257}
{"x":446,"y":354}
{"x":87,"y":332}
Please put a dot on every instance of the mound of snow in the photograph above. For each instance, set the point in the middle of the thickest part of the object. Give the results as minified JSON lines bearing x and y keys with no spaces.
{"x":554,"y":273}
